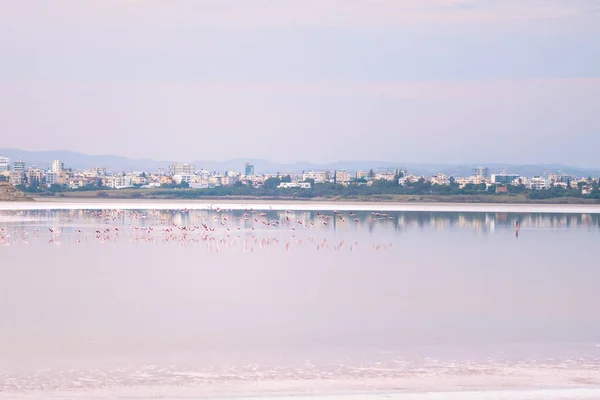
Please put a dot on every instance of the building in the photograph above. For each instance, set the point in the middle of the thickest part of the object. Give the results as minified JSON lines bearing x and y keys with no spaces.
{"x":17,"y":175}
{"x":481,"y":172}
{"x":181,"y":169}
{"x":57,"y":166}
{"x":504,"y":179}
{"x":229,"y":180}
{"x":99,"y":171}
{"x":317,"y":176}
{"x":343,"y":176}
{"x":52,"y":178}
{"x":181,"y":178}
{"x":400,"y":173}
{"x":17,"y":178}
{"x":362,"y":175}
{"x":440,"y":179}
{"x":538,"y":183}
{"x":249,"y":169}
{"x":4,"y":164}
{"x":19,"y":166}
{"x":291,"y":185}
{"x":385,"y":176}
{"x":35,"y":176}
{"x":118,"y":182}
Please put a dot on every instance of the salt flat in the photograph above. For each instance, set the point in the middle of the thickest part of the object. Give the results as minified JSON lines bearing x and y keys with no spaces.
{"x":84,"y":204}
{"x":175,"y":393}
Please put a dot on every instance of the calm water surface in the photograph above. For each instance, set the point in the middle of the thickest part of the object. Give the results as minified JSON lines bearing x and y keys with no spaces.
{"x":191,"y":303}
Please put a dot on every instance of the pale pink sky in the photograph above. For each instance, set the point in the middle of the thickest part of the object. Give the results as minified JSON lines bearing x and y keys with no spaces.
{"x":414,"y":81}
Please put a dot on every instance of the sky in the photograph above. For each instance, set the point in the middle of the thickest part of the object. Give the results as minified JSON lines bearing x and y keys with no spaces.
{"x":425,"y":81}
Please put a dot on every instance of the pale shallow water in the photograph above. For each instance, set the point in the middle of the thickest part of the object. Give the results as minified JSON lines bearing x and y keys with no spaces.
{"x":122,"y":303}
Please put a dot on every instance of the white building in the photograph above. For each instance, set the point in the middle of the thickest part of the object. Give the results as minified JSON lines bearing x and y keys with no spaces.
{"x":317,"y":176}
{"x":538,"y":183}
{"x":57,"y":166}
{"x":406,"y":180}
{"x":4,"y":164}
{"x":204,"y":174}
{"x":181,"y":169}
{"x":585,"y":190}
{"x":52,"y":178}
{"x":179,"y":178}
{"x":440,"y":179}
{"x":290,"y":185}
{"x":19,"y":166}
{"x":118,"y":182}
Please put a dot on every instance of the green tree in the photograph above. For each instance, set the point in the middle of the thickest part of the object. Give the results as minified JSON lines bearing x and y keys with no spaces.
{"x":272,"y":183}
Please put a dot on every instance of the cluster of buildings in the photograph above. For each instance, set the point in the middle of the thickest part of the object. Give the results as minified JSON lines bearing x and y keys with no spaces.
{"x":18,"y":173}
{"x":184,"y":175}
{"x":481,"y":175}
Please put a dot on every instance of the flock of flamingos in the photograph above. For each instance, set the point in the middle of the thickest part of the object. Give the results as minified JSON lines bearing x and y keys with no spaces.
{"x":217,"y":230}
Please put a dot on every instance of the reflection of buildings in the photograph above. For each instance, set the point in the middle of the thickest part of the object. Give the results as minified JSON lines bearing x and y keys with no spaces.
{"x":391,"y":223}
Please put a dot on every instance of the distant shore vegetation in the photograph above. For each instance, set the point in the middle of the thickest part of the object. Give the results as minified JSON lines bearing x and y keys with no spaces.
{"x":421,"y":190}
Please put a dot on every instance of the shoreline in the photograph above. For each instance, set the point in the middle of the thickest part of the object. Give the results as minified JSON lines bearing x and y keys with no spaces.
{"x":293,"y":205}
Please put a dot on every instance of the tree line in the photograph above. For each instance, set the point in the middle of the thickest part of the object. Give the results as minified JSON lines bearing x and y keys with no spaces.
{"x":357,"y":188}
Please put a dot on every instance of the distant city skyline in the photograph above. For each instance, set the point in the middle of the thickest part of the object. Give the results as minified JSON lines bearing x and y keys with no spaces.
{"x":430,"y":81}
{"x":57,"y":178}
{"x":47,"y":158}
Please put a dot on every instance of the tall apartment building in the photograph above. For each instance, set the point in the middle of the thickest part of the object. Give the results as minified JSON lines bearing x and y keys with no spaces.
{"x":4,"y":164}
{"x":249,"y":169}
{"x":52,"y":178}
{"x":481,"y":172}
{"x":57,"y":166}
{"x":19,"y":166}
{"x":181,"y":169}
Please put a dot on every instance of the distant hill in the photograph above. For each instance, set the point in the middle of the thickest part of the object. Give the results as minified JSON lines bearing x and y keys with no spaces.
{"x":80,"y":161}
{"x":71,"y":159}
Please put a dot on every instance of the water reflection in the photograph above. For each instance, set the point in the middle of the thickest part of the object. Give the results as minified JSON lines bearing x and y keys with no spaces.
{"x":479,"y":222}
{"x":110,"y":299}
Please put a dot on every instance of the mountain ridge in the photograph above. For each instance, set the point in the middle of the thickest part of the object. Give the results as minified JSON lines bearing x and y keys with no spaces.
{"x":116,"y":163}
